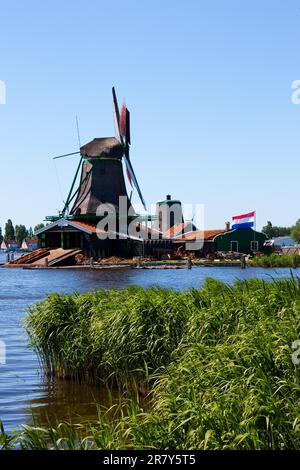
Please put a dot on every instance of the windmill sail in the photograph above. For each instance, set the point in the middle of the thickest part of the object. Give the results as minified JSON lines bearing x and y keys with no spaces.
{"x":125,"y":125}
{"x":123,"y":121}
{"x":132,"y":179}
{"x":116,"y":114}
{"x":122,"y":124}
{"x":128,"y":127}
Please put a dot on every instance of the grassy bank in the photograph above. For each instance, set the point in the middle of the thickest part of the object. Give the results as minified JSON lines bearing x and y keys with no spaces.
{"x":218,"y":361}
{"x":275,"y":261}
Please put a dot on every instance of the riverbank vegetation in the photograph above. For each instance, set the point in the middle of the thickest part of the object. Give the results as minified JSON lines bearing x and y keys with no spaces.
{"x":216,"y":363}
{"x":275,"y":261}
{"x":19,"y":232}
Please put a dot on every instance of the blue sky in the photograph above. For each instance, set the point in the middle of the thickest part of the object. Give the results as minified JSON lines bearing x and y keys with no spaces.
{"x":208,"y":85}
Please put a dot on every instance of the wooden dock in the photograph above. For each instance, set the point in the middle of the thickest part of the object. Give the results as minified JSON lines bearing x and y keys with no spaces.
{"x":44,"y":258}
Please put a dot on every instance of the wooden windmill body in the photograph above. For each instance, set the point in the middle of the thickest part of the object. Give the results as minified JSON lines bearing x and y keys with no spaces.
{"x":102,"y":179}
{"x":101,"y":185}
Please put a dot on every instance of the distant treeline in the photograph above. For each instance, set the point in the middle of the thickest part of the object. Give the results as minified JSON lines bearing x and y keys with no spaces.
{"x":18,"y":232}
{"x":272,"y":231}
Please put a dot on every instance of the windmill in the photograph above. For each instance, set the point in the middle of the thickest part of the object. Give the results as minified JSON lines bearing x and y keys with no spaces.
{"x":101,"y":171}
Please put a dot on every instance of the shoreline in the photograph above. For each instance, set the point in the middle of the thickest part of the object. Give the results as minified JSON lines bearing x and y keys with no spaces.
{"x":161,"y":267}
{"x":206,"y":349}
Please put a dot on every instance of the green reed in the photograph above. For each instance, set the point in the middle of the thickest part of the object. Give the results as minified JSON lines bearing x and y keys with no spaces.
{"x":216,"y":363}
{"x":276,"y":261}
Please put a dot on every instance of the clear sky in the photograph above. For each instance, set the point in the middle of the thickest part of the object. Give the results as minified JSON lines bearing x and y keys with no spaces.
{"x":208,"y":84}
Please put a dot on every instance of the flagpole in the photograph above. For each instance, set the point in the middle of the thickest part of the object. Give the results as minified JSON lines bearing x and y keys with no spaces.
{"x":254,"y":226}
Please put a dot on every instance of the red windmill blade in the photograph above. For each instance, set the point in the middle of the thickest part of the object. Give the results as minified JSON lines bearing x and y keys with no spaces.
{"x":125,"y":124}
{"x":122,"y":124}
{"x":123,"y":121}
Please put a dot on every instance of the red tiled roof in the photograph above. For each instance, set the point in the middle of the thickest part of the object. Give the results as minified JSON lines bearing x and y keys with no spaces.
{"x":208,"y":234}
{"x":201,"y":234}
{"x":91,"y":228}
{"x":177,"y":229}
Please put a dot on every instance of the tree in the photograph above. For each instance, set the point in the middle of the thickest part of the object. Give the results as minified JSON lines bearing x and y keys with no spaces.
{"x":21,"y":233}
{"x":273,"y":231}
{"x":282,"y":231}
{"x":295,"y":233}
{"x":9,"y":231}
{"x":38,"y":227}
{"x":30,"y":232}
{"x":268,"y":229}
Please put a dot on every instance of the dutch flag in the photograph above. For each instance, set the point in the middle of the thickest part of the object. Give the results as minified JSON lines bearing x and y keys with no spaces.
{"x":244,"y":220}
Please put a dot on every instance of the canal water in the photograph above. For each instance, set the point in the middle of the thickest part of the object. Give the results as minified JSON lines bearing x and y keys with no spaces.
{"x":25,"y":394}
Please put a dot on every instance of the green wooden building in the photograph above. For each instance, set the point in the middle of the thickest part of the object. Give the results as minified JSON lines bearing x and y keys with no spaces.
{"x":244,"y":240}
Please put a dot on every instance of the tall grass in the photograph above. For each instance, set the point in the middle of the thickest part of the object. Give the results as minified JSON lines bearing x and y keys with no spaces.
{"x":275,"y":260}
{"x":111,"y":335}
{"x":218,"y":360}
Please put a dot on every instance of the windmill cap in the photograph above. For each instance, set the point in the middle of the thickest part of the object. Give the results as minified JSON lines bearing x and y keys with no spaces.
{"x":110,"y":146}
{"x":169,"y":201}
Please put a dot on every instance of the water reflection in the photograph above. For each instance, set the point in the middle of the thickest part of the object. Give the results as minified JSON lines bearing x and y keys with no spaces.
{"x":72,"y":402}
